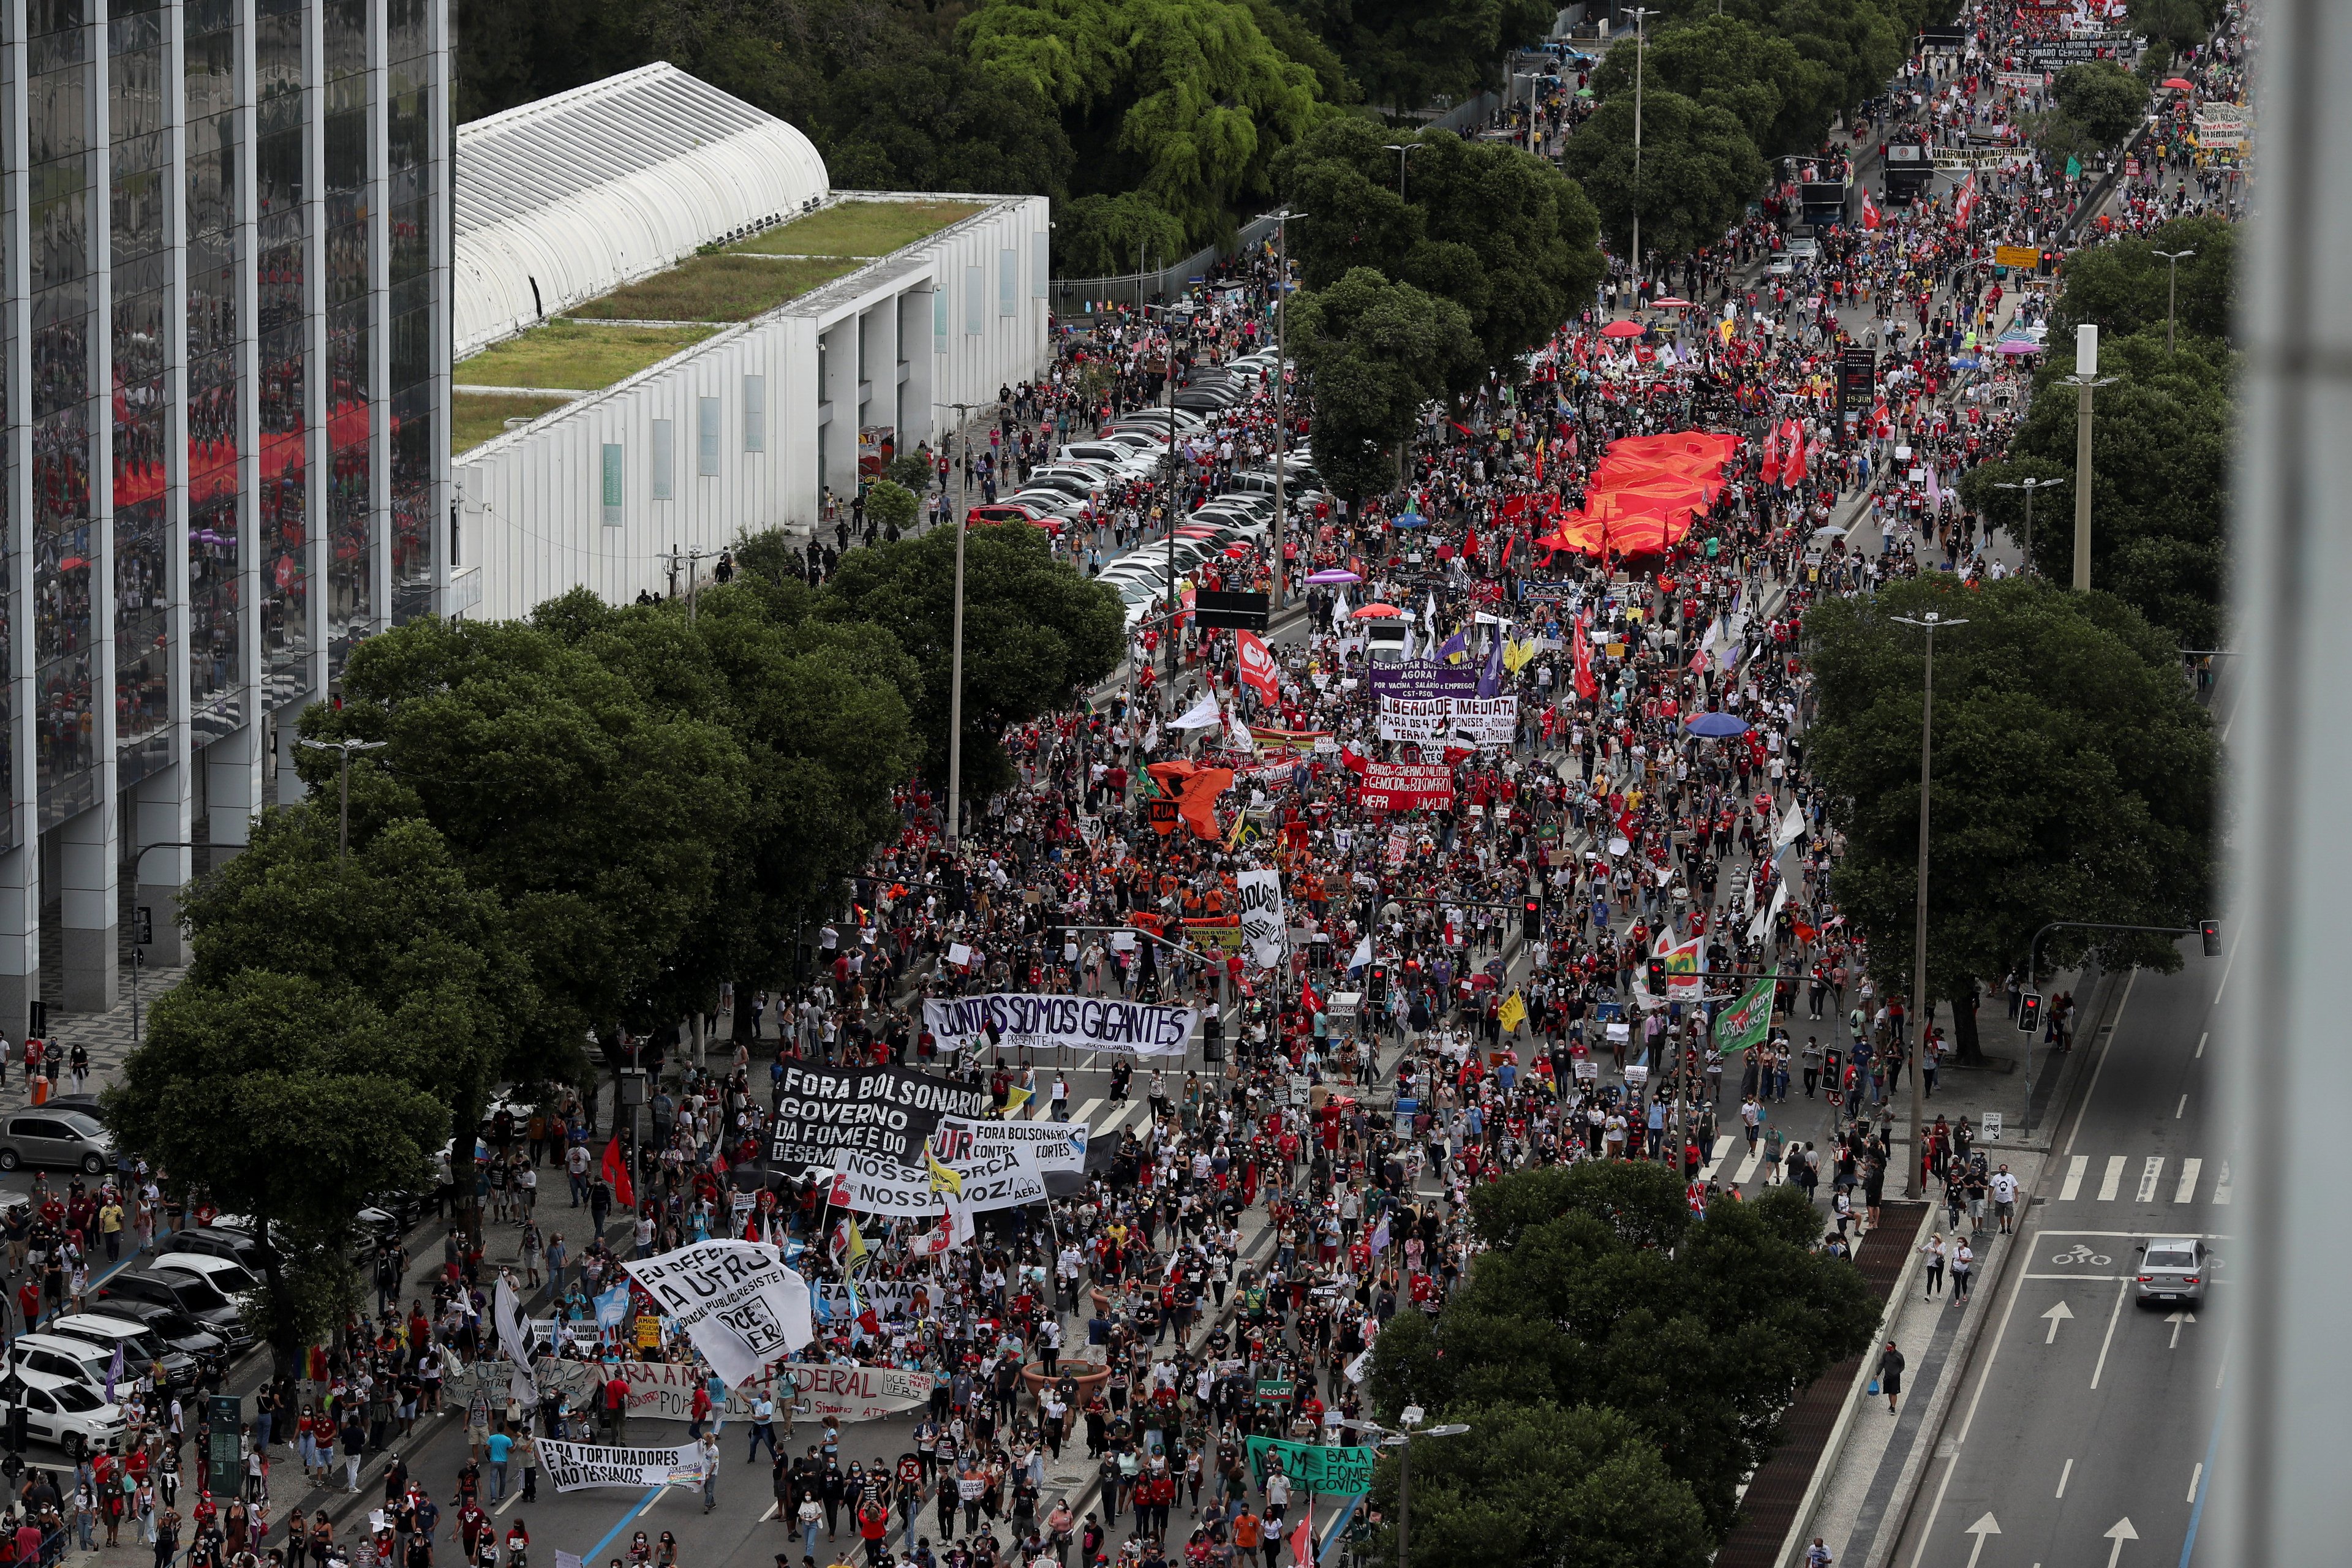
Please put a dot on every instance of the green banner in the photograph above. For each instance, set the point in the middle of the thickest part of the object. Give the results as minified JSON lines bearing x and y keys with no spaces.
{"x":1311,"y":1467}
{"x":1747,"y":1023}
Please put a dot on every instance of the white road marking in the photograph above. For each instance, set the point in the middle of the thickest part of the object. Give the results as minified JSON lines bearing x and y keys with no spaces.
{"x":1984,"y":1376}
{"x":2074,"y":1169}
{"x":1723,"y":1143}
{"x":2229,"y":962}
{"x":2083,"y":1107}
{"x":2194,"y":1477}
{"x":2061,"y":1313}
{"x":2148,"y":1176}
{"x":1748,"y":1168}
{"x":2112,"y":1183}
{"x":2180,"y":1108}
{"x":1087,"y":1111}
{"x":2122,"y":1290}
{"x":2200,"y":1043}
{"x":2221,"y":1184}
{"x":2186,"y":1191}
{"x":2063,"y":1475}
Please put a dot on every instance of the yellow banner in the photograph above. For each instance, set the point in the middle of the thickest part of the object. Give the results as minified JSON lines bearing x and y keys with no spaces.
{"x":2025,"y":256}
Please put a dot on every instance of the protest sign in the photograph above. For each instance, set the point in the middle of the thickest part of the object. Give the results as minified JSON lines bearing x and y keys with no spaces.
{"x":856,"y":1392}
{"x":1057,"y":1145}
{"x":1461,"y":721}
{"x":885,"y":1111}
{"x":1423,"y":679}
{"x":1024,"y":1021}
{"x":577,"y":1467}
{"x":735,"y":1299}
{"x":664,"y":1390}
{"x":1313,"y":1466}
{"x":1002,"y":1177}
{"x":1401,"y":786}
{"x":1261,"y":899}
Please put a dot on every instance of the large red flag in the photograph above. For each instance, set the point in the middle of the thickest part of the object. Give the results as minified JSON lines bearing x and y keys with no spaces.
{"x":1772,"y":454}
{"x":617,"y":1175}
{"x":1302,"y":1540}
{"x":1256,"y":665}
{"x":1795,"y":468}
{"x":1586,"y":686}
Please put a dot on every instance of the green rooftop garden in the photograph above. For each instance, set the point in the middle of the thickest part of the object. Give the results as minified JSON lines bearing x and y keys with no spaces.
{"x":717,"y":289}
{"x":859,"y":228}
{"x":566,"y":356}
{"x":477,"y":416}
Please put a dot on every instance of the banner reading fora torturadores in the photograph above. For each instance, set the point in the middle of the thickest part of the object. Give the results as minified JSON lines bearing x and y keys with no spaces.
{"x":1026,"y":1021}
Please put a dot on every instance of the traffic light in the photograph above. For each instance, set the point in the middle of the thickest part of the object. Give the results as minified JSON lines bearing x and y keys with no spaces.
{"x":1657,"y":976}
{"x":1531,"y":920}
{"x":2212,"y":931}
{"x":1376,"y":981}
{"x":2029,"y":1012}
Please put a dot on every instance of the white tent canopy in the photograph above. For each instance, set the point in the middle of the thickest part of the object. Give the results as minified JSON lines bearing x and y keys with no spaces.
{"x":572,"y":196}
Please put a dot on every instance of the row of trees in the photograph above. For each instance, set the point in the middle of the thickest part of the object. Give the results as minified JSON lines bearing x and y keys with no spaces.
{"x":1152,"y":123}
{"x":577,"y":826}
{"x":1724,"y":91}
{"x":1420,"y":280}
{"x":1621,"y":1368}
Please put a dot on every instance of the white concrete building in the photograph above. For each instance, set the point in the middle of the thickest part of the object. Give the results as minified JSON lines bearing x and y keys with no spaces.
{"x":757,"y":423}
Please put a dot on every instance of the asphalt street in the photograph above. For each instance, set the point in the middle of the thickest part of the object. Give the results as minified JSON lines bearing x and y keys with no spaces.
{"x":2087,"y":1430}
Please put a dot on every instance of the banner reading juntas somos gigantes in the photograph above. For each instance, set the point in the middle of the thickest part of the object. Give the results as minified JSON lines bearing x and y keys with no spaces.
{"x":1024,"y":1021}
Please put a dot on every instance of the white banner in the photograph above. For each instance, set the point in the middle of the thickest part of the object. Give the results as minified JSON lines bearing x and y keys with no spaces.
{"x":1006,"y":1176}
{"x":577,"y":1467}
{"x":1026,"y":1021}
{"x":736,"y":1300}
{"x":1261,"y":914}
{"x":910,"y":1298}
{"x":1058,"y":1145}
{"x":856,"y":1392}
{"x":1458,"y":720}
{"x":664,"y":1390}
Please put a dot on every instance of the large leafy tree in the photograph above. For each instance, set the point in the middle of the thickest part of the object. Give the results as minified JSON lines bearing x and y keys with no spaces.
{"x":1037,"y":635}
{"x":2160,"y":441}
{"x":1376,"y":352}
{"x":1599,"y":1290}
{"x":1783,"y":99}
{"x":2124,"y":286}
{"x":1487,"y":226}
{"x":596,"y":815}
{"x":1696,"y":172}
{"x":2074,"y":780}
{"x":2106,"y":98}
{"x":292,"y":1100}
{"x":924,"y":119}
{"x":1409,"y":52}
{"x":1108,"y":236}
{"x":1186,"y":103}
{"x":1537,"y":1486}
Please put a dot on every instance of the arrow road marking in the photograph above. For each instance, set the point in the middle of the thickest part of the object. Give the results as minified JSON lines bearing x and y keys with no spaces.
{"x":2056,"y":1315}
{"x":1981,"y":1529}
{"x":2122,"y":1532}
{"x":2176,"y":1320}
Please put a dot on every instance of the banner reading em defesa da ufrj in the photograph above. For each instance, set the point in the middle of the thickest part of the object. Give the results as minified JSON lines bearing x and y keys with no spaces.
{"x":1029,"y":1022}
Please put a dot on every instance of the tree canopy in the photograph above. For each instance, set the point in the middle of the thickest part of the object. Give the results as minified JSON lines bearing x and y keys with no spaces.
{"x":1600,"y":1291}
{"x":1037,"y":635}
{"x":2074,"y":779}
{"x":2160,"y":441}
{"x":1697,"y":171}
{"x":2105,"y":98}
{"x":1784,"y":100}
{"x":1377,"y":350}
{"x":1407,"y":53}
{"x":2122,"y":284}
{"x":1490,"y":226}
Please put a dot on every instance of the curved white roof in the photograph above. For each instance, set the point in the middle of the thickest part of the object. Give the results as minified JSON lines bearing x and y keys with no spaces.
{"x":605,"y":185}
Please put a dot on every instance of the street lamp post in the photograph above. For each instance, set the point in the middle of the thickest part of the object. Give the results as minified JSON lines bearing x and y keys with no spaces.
{"x":2084,"y":379}
{"x":343,"y":750}
{"x":1932,"y":622}
{"x":955,"y":661}
{"x":2172,"y":260}
{"x":1281,"y":362}
{"x":2029,"y":485}
{"x":1638,"y":13}
{"x":1403,"y":150}
{"x":1410,"y":1419}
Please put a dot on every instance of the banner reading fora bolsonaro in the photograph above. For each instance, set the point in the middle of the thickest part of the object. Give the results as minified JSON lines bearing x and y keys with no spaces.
{"x":1028,"y":1022}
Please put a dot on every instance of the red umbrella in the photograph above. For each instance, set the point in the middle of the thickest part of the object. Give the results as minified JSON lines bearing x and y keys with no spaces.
{"x":2179,"y":84}
{"x":1672,"y":304}
{"x":1623,"y":330}
{"x":1375,"y":612}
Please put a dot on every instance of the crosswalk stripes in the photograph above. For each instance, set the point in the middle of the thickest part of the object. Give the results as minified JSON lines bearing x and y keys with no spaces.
{"x":1723,"y":1143}
{"x":1748,"y":1168}
{"x":2150,"y":1187}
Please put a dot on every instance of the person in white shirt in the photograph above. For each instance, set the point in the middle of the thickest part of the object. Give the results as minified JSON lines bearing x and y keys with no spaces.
{"x":2004,"y":1198}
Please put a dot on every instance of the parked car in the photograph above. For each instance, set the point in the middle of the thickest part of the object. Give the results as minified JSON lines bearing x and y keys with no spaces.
{"x":219,"y":1240}
{"x":67,"y":1413}
{"x":44,"y":1137}
{"x":62,"y":1356}
{"x":190,"y":1293}
{"x":140,"y":1347}
{"x":174,"y":1328}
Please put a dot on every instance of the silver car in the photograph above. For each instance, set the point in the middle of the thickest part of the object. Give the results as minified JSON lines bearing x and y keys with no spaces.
{"x":68,"y":1138}
{"x":2173,"y":1270}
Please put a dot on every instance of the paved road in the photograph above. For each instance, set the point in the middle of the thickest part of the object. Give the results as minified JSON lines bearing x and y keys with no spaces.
{"x":2086,"y":1428}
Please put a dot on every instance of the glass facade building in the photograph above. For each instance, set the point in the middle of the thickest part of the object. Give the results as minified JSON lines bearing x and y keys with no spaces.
{"x":223,"y":246}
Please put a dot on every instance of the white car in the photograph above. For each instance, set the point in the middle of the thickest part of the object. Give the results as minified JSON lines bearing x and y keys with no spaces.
{"x":231,"y":1278}
{"x":1779,"y":265}
{"x":74,"y":1418}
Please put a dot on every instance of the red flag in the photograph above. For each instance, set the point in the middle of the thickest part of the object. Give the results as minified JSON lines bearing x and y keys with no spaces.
{"x":1308,"y":1002}
{"x":1772,"y":454}
{"x":617,"y":1175}
{"x":1869,"y":212}
{"x":1302,"y":1542}
{"x":1256,"y":665}
{"x":1586,"y":686}
{"x":1795,"y":468}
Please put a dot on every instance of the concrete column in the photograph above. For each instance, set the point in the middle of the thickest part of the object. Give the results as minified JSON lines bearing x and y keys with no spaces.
{"x":89,"y":844}
{"x":436,"y":177}
{"x":166,"y":814}
{"x":231,"y":790}
{"x":840,"y":392}
{"x":291,"y":787}
{"x":379,"y":388}
{"x":89,"y":851}
{"x":20,"y":865}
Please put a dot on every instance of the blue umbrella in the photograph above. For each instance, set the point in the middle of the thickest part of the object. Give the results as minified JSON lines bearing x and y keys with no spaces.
{"x":1717,"y":725}
{"x":1408,"y":519}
